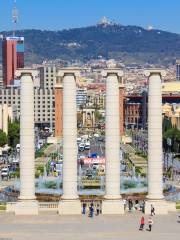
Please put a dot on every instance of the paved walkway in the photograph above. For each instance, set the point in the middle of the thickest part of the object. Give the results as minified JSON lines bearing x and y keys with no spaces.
{"x":54,"y":227}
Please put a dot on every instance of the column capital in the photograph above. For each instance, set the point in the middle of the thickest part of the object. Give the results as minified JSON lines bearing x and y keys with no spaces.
{"x":27,"y":72}
{"x":59,"y":82}
{"x":112,"y":71}
{"x":69,"y":71}
{"x":149,"y":72}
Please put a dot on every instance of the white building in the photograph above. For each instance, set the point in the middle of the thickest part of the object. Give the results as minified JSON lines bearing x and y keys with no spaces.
{"x":81,"y":97}
{"x":44,"y":104}
{"x":48,"y":76}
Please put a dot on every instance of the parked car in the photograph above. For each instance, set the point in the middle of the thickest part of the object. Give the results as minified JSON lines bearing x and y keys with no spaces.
{"x":5,"y":173}
{"x":87,"y":145}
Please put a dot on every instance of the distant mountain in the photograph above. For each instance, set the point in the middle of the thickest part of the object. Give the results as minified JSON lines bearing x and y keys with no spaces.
{"x":127,"y":43}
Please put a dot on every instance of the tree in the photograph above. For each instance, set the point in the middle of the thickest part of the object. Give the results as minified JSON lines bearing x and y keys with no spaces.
{"x":174,"y":135}
{"x":13,"y":133}
{"x":166,"y":124}
{"x":98,"y":116}
{"x":3,"y":138}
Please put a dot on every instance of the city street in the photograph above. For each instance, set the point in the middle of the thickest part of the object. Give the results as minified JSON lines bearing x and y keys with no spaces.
{"x":95,"y":147}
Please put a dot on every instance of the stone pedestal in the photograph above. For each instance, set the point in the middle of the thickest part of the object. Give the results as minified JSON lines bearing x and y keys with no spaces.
{"x":160,"y":207}
{"x":69,"y":207}
{"x":112,"y":203}
{"x":27,"y":207}
{"x":171,"y":206}
{"x":114,"y":207}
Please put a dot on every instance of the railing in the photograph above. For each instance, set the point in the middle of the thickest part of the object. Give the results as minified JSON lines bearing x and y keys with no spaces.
{"x":48,"y":206}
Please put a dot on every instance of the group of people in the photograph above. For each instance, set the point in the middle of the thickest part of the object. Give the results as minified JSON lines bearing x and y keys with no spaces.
{"x":150,"y":220}
{"x":93,"y":210}
{"x":136,"y":205}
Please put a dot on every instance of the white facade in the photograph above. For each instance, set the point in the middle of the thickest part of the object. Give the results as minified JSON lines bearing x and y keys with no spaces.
{"x":81,"y":96}
{"x":48,"y":77}
{"x":44,"y":104}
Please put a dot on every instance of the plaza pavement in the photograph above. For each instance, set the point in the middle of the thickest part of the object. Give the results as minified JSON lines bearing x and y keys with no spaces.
{"x":49,"y":226}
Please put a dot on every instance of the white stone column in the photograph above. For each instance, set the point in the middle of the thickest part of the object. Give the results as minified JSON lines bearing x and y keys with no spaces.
{"x":112,"y":203}
{"x":70,"y":203}
{"x":5,"y":118}
{"x":155,"y":165}
{"x":1,"y":117}
{"x":27,"y":204}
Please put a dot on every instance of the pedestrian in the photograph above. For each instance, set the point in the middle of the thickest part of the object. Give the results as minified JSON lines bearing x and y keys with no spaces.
{"x":130,"y":204}
{"x":142,"y":222}
{"x":150,"y":223}
{"x":97,"y":210}
{"x":91,"y":211}
{"x":152,"y":210}
{"x":84,"y":208}
{"x":125,"y":204}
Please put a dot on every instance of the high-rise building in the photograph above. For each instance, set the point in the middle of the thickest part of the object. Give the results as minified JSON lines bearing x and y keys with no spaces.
{"x":178,"y":70}
{"x":1,"y":76}
{"x":48,"y":76}
{"x":9,"y":60}
{"x":20,"y":52}
{"x":12,"y":58}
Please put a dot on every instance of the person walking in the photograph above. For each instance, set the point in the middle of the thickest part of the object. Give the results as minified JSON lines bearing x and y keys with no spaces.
{"x":152,"y":210}
{"x":91,"y":211}
{"x":150,"y":223}
{"x":84,"y":208}
{"x":130,"y":205}
{"x":125,"y":204}
{"x":142,"y":222}
{"x":97,"y":210}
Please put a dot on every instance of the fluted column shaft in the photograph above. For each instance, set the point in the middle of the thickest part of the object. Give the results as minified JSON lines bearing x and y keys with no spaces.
{"x":5,"y":118}
{"x":27,"y":171}
{"x":69,"y":137}
{"x":155,"y":174}
{"x":112,"y":137}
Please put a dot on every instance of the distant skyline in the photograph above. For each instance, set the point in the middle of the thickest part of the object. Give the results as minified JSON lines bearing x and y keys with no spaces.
{"x":63,"y":14}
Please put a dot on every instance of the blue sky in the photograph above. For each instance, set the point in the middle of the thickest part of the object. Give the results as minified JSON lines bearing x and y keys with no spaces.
{"x":61,"y":14}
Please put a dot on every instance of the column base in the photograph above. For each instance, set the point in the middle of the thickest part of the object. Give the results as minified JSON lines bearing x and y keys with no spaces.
{"x":69,"y":207}
{"x":171,"y":206}
{"x":161,"y":206}
{"x":26,"y":207}
{"x":112,"y":207}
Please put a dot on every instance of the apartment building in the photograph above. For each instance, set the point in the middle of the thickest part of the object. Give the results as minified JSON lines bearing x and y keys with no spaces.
{"x":47,"y":76}
{"x":44,"y":104}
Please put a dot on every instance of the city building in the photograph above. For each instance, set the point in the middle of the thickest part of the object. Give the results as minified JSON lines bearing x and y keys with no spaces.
{"x":178,"y":70}
{"x":1,"y":77}
{"x":20,"y":52}
{"x":9,"y":60}
{"x":47,"y":76}
{"x":81,"y":97}
{"x":44,"y":104}
{"x":12,"y":58}
{"x":135,"y":111}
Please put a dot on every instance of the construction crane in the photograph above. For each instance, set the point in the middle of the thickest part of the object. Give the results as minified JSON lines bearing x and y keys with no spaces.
{"x":15,"y":17}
